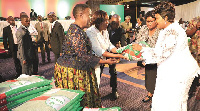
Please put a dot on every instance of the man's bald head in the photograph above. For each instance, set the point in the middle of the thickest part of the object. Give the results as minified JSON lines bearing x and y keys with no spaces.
{"x":115,"y":21}
{"x":11,"y":20}
{"x":116,"y":17}
{"x":22,"y":13}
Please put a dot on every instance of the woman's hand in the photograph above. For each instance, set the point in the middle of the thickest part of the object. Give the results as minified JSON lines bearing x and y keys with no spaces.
{"x":123,"y":57}
{"x":137,"y":47}
{"x":111,"y":61}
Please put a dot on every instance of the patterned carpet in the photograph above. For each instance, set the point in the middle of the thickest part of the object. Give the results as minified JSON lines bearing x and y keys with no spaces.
{"x":130,"y":84}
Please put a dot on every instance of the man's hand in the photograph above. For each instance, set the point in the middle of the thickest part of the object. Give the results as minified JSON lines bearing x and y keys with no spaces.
{"x":137,"y":47}
{"x":24,"y":62}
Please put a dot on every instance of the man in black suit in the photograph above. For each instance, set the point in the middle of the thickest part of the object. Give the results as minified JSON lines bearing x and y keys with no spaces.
{"x":56,"y":35}
{"x":25,"y":47}
{"x":117,"y":38}
{"x":33,"y":15}
{"x":10,"y":43}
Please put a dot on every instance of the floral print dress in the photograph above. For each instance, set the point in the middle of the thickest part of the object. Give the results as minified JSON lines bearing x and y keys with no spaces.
{"x":195,"y":40}
{"x":75,"y":68}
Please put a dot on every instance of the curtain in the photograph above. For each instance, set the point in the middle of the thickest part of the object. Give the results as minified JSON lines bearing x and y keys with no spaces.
{"x":187,"y":11}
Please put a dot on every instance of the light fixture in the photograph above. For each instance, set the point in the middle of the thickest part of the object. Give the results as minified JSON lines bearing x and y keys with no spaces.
{"x":127,"y":6}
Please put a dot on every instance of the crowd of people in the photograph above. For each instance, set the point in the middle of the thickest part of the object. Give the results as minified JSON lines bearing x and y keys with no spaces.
{"x":92,"y":41}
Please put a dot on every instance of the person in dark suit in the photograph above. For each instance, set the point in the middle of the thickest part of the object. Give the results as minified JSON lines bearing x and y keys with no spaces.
{"x":43,"y":38}
{"x":10,"y":43}
{"x":33,"y":15}
{"x":25,"y":47}
{"x":56,"y":36}
{"x":33,"y":32}
{"x":116,"y":32}
{"x":117,"y":38}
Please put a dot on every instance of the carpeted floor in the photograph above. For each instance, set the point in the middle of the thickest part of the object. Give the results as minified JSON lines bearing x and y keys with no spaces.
{"x":130,"y":84}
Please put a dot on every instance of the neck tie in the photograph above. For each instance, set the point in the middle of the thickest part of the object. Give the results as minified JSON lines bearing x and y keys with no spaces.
{"x":41,"y":26}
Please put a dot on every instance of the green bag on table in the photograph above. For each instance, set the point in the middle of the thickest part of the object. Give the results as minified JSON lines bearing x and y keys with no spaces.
{"x":18,"y":102}
{"x":52,"y":100}
{"x":22,"y":95}
{"x":75,"y":106}
{"x":20,"y":85}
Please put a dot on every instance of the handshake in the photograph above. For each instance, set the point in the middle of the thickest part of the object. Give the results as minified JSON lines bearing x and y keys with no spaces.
{"x":132,"y":51}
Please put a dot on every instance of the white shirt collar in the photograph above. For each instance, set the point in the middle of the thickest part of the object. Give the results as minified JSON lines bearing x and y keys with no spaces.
{"x":25,"y":27}
{"x":12,"y":26}
{"x":53,"y":23}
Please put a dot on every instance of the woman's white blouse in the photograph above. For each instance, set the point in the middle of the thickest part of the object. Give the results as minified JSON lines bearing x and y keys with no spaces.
{"x":168,"y":41}
{"x":100,"y":42}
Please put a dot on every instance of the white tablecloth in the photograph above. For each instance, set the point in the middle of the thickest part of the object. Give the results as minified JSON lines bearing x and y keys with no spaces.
{"x":65,"y":24}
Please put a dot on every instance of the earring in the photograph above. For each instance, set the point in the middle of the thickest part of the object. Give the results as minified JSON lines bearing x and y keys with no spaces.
{"x":165,"y":22}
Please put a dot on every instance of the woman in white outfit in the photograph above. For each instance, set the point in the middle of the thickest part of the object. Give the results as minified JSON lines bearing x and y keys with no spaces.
{"x":99,"y":38}
{"x":176,"y":66}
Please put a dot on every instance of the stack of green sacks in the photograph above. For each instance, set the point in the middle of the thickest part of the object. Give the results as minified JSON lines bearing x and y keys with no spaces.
{"x":103,"y":109}
{"x":130,"y":53}
{"x":16,"y":92}
{"x":54,"y":100}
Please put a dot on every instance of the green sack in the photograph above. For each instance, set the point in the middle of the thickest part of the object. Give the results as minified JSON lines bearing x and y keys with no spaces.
{"x":75,"y":106}
{"x":19,"y":101}
{"x":52,"y":100}
{"x":22,"y":95}
{"x":15,"y":87}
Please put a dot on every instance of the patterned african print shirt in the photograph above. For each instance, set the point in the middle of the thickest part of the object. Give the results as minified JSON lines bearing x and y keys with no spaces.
{"x":143,"y":35}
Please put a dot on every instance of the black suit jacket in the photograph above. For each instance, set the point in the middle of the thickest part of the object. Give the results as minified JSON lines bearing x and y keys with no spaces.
{"x":35,"y":15}
{"x":8,"y":38}
{"x":117,"y":35}
{"x":56,"y":38}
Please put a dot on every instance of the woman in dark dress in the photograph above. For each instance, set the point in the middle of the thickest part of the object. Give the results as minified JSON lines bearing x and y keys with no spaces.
{"x":149,"y":33}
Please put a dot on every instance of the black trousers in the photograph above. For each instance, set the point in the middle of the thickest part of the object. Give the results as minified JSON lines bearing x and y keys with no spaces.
{"x":113,"y":76}
{"x":150,"y":77}
{"x":18,"y":66}
{"x":41,"y":45}
{"x":35,"y":58}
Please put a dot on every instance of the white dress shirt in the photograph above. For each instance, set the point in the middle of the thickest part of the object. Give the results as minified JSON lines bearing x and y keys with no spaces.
{"x":52,"y":25}
{"x":14,"y":30}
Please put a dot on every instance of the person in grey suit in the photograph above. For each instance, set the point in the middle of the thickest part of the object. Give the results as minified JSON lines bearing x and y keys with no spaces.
{"x":56,"y":36}
{"x":43,"y":38}
{"x":10,"y":43}
{"x":25,"y":46}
